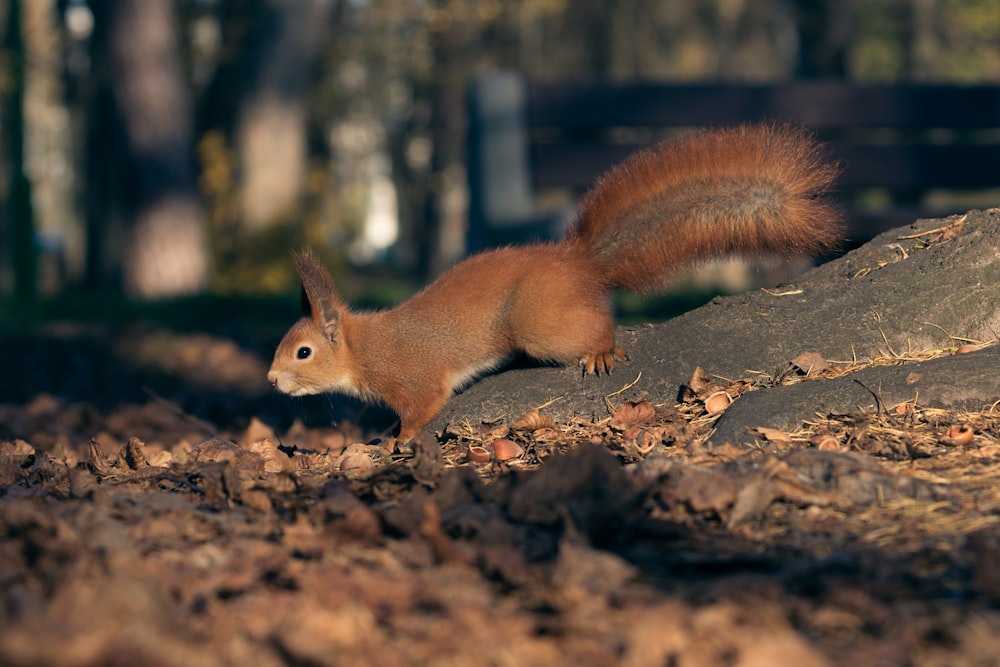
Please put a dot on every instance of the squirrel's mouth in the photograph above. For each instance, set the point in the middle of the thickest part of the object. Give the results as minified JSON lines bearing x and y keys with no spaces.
{"x":294,"y":390}
{"x":284,"y":385}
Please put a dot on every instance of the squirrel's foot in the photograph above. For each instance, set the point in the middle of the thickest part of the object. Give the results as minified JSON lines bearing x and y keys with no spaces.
{"x":597,"y":363}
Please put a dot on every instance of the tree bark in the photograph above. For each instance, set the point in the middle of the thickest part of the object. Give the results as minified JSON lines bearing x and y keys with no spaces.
{"x":259,"y":100}
{"x":140,"y":160}
{"x":19,"y":210}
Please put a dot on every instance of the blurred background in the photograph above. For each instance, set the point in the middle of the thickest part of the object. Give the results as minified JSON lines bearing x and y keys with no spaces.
{"x":155,"y":149}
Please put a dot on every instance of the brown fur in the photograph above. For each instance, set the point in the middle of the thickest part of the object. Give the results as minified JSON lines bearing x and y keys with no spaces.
{"x":746,"y":189}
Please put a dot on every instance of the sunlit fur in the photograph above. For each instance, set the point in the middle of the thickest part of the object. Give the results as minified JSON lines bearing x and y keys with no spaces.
{"x":745,"y":189}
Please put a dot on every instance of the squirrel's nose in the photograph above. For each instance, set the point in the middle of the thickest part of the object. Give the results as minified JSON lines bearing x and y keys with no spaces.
{"x":272,"y":377}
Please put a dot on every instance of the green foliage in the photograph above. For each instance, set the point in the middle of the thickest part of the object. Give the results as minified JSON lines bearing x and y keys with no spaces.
{"x":253,"y":262}
{"x":389,"y":78}
{"x":972,"y":28}
{"x":878,"y":52}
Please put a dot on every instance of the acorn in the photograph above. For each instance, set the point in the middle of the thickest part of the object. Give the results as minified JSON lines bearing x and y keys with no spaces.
{"x":958,"y":435}
{"x":478,"y":454}
{"x":505,"y":449}
{"x":717,"y":402}
{"x":826,"y":442}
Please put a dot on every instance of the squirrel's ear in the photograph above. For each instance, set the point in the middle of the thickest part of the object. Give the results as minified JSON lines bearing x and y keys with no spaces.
{"x":320,"y":300}
{"x":329,"y":319}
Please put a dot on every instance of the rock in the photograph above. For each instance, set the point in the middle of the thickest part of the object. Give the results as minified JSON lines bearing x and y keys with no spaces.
{"x":895,"y":294}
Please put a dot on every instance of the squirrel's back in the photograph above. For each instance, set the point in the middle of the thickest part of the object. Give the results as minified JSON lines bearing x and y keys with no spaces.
{"x":746,"y":189}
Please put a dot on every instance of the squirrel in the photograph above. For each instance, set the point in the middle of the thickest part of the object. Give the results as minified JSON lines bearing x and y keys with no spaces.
{"x":742,"y":189}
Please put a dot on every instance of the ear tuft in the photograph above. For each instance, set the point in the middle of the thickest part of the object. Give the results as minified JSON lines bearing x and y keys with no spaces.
{"x":320,"y":300}
{"x":316,"y":280}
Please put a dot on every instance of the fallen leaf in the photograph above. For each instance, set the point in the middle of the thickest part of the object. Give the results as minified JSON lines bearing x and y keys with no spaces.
{"x":752,"y":500}
{"x":222,"y":450}
{"x":811,"y":363}
{"x":274,"y":460}
{"x":633,"y":412}
{"x":256,"y":431}
{"x":131,"y":455}
{"x":356,"y":463}
{"x":772,"y":434}
{"x":532,"y":420}
{"x":699,"y":386}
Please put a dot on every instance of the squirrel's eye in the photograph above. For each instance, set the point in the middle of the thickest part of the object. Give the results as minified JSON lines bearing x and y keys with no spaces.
{"x":303,"y":352}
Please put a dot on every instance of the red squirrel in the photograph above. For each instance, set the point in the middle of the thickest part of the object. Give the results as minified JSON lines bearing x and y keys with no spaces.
{"x":744,"y":189}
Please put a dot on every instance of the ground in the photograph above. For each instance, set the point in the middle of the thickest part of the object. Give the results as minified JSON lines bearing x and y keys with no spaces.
{"x":150,"y":517}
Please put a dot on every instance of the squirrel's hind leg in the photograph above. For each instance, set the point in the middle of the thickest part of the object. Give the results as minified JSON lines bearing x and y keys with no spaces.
{"x":582,"y":333}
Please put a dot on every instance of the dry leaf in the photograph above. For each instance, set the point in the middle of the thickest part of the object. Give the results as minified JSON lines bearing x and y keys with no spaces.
{"x":949,"y":232}
{"x":985,"y":452}
{"x":772,"y":434}
{"x":493,"y":431}
{"x":699,"y":386}
{"x":356,"y":463}
{"x":256,"y":430}
{"x":811,"y":363}
{"x":752,"y":500}
{"x":220,"y":449}
{"x":633,"y":412}
{"x":274,"y":460}
{"x":716,"y":454}
{"x":131,"y":455}
{"x":532,"y":420}
{"x":548,"y":435}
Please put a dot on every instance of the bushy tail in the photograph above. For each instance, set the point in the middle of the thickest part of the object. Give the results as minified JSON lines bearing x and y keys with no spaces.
{"x":746,"y":189}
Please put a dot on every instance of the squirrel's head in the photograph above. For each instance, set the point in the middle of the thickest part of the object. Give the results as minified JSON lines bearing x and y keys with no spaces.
{"x":312,"y":357}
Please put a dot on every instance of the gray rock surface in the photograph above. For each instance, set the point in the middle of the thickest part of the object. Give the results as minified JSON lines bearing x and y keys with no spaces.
{"x":893,"y":295}
{"x":965,"y":381}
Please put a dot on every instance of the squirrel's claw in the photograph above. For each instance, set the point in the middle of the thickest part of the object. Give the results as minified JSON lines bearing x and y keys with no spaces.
{"x":598,"y":363}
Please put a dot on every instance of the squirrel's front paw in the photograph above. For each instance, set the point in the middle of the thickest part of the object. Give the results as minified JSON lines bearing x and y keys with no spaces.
{"x":597,"y":363}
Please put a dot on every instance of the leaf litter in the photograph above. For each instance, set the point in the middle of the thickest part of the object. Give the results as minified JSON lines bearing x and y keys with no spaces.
{"x":134,"y":535}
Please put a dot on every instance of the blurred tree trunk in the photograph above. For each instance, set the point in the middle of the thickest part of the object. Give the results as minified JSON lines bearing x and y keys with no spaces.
{"x":445,"y":226}
{"x":825,"y":32}
{"x":146,"y":227}
{"x":259,"y":99}
{"x":50,"y":143}
{"x":20,"y":219}
{"x":924,"y":53}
